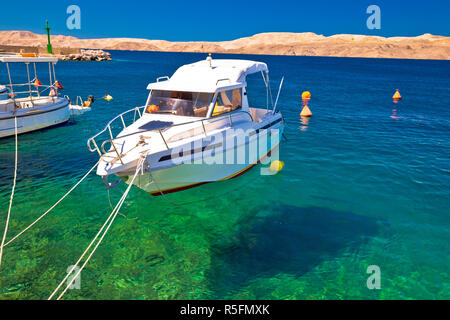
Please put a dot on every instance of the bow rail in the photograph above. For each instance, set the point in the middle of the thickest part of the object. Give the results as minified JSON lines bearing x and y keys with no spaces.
{"x":93,"y":146}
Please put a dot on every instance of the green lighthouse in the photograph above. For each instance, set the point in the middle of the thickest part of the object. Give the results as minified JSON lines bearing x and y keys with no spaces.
{"x":49,"y":45}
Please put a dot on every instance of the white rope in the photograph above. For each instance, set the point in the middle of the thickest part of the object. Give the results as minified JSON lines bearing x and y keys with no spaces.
{"x":110,"y":204}
{"x":12,"y":195}
{"x":52,"y":207}
{"x":107,"y":224}
{"x":159,"y":189}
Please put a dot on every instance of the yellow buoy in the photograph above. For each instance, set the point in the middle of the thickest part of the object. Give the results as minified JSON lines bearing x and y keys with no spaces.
{"x":397,"y":95}
{"x":108,"y":97}
{"x":306,"y":112}
{"x":276,"y":165}
{"x":306,"y":95}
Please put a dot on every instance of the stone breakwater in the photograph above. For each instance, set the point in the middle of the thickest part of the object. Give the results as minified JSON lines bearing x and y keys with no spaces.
{"x":88,"y":55}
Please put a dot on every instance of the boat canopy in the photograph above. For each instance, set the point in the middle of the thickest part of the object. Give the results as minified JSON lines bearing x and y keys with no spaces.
{"x":210,"y":75}
{"x":13,"y":58}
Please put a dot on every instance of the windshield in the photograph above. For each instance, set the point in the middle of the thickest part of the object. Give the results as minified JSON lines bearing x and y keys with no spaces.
{"x":180,"y":103}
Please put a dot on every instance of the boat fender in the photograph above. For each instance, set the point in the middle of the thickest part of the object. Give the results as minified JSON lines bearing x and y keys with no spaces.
{"x":276,"y":166}
{"x":152,"y":108}
{"x":58,"y":85}
{"x":37,"y":83}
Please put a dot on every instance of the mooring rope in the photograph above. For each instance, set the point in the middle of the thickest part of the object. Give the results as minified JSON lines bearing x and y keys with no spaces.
{"x":160,"y":191}
{"x":12,"y":194}
{"x":52,"y":207}
{"x":121,"y":214}
{"x":107,"y":224}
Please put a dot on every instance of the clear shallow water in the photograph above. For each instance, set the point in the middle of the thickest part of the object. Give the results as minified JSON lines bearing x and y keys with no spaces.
{"x":365,"y":182}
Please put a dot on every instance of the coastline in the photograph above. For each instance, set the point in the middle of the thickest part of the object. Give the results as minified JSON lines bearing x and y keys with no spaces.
{"x":427,"y":46}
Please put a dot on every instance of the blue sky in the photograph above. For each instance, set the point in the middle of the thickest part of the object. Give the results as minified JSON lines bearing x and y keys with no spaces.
{"x":226,"y":20}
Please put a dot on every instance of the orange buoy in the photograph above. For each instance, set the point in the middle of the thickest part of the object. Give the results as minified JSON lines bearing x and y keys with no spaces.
{"x":306,"y":95}
{"x":152,"y":108}
{"x":306,"y":112}
{"x":37,"y":83}
{"x":397,"y":95}
{"x":58,"y":85}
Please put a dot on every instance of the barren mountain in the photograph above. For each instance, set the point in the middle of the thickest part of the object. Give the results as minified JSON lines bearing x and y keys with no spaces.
{"x":426,"y":46}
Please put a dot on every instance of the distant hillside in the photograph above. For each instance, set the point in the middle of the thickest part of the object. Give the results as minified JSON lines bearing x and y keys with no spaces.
{"x":426,"y":46}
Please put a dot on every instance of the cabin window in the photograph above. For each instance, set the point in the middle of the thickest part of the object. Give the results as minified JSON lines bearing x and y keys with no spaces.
{"x":227,"y":101}
{"x":180,"y":103}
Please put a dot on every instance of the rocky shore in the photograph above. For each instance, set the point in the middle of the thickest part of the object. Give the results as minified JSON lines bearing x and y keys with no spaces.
{"x":88,"y":55}
{"x":426,"y":46}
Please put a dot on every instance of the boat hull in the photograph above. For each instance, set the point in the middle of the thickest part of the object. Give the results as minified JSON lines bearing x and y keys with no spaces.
{"x":188,"y":175}
{"x":31,"y":119}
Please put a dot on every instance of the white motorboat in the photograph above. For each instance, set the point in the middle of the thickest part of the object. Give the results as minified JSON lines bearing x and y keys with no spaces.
{"x":35,"y":106}
{"x":196,"y":127}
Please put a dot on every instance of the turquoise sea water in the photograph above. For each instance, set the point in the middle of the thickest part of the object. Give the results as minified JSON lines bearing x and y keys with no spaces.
{"x":365,"y":182}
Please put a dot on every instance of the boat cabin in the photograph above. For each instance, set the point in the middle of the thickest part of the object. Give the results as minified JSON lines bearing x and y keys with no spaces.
{"x":31,"y":93}
{"x":204,"y":89}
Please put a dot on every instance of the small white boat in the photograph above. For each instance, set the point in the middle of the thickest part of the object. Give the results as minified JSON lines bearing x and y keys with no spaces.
{"x":196,"y":127}
{"x":35,"y":106}
{"x":80,"y":107}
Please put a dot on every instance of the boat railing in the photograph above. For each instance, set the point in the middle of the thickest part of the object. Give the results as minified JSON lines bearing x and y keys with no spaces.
{"x":78,"y":101}
{"x":91,"y":143}
{"x":29,"y":91}
{"x":163,"y":77}
{"x":93,"y":146}
{"x":30,"y":95}
{"x":224,"y":79}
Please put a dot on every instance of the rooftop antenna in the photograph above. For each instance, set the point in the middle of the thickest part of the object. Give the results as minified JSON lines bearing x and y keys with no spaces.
{"x":49,"y":45}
